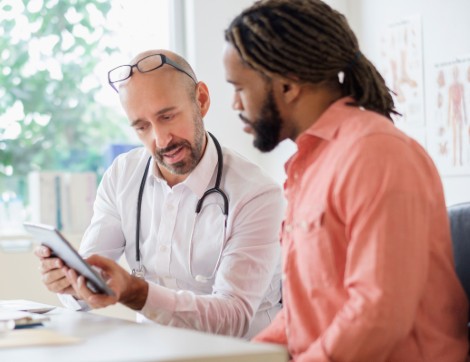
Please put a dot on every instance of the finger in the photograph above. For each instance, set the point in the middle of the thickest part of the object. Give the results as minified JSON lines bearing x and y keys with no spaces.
{"x":92,"y":299}
{"x":49,"y":264}
{"x":42,"y":251}
{"x":61,"y":286}
{"x":56,"y":281}
{"x":72,"y":277}
{"x":53,"y":276}
{"x":78,"y":283}
{"x":68,"y":290}
{"x":83,"y":289}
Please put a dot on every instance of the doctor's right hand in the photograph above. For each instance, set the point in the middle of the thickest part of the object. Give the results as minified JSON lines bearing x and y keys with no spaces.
{"x":53,"y":271}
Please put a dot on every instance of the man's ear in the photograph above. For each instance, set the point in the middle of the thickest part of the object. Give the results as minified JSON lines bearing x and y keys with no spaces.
{"x":290,"y":90}
{"x":202,"y":97}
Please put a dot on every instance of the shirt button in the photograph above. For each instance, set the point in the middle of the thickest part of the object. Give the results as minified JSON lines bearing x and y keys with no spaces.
{"x":288,"y":228}
{"x":163,"y":248}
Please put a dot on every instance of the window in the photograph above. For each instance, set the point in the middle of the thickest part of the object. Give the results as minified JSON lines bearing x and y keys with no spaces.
{"x":57,"y":111}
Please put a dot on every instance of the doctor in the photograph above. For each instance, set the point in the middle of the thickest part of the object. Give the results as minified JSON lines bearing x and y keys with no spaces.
{"x":198,"y":224}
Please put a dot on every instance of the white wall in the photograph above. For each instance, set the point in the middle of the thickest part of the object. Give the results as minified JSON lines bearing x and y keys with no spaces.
{"x":445,"y":31}
{"x":206,"y":21}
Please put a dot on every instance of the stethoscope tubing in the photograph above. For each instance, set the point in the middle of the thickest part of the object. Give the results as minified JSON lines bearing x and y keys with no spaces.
{"x":215,"y":189}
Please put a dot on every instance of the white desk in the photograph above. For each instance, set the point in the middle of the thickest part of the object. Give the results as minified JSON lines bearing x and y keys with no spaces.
{"x":109,"y":339}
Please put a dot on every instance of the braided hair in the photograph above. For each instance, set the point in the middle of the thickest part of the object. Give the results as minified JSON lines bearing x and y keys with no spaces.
{"x":308,"y":41}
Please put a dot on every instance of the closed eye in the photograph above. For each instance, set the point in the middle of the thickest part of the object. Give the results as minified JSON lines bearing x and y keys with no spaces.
{"x":140,"y":126}
{"x":166,"y":117}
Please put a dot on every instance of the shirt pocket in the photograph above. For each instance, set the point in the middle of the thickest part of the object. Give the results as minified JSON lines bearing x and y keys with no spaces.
{"x":314,"y":249}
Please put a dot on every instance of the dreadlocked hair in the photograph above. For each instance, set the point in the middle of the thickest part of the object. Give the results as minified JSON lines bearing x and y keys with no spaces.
{"x":308,"y":41}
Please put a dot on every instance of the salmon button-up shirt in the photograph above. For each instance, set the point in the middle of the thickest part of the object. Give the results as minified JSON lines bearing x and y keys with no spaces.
{"x":367,"y":258}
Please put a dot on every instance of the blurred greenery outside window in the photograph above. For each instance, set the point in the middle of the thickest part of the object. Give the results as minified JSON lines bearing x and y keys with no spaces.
{"x":57,"y":111}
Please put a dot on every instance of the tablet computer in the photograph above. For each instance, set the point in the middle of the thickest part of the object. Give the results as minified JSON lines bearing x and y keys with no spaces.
{"x":51,"y":237}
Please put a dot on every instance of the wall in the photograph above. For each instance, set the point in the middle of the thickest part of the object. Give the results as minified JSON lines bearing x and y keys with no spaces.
{"x":206,"y":21}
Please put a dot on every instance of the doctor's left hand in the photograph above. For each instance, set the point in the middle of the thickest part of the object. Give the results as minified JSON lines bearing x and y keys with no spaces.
{"x":128,"y":290}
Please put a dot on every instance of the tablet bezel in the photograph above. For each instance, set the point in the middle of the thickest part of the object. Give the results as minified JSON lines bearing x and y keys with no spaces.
{"x":49,"y":236}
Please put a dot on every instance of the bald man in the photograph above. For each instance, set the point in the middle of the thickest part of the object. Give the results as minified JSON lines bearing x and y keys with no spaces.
{"x":210,"y":263}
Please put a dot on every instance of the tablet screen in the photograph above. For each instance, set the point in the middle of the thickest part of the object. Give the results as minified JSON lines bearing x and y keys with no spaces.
{"x":49,"y":236}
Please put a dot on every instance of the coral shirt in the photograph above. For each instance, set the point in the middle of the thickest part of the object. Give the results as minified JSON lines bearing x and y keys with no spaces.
{"x":367,"y":259}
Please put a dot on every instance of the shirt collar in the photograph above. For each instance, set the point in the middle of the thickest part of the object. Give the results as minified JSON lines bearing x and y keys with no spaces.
{"x":326,"y":126}
{"x":329,"y":121}
{"x":199,"y":179}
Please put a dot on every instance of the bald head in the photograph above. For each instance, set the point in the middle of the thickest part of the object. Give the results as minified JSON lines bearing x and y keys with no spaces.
{"x":179,"y":70}
{"x":179,"y":60}
{"x":156,"y":81}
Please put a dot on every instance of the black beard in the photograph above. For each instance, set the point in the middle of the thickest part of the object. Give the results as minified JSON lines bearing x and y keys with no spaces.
{"x":267,"y":127}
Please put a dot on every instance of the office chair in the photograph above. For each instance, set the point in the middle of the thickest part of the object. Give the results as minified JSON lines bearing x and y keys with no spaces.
{"x":459,"y":216}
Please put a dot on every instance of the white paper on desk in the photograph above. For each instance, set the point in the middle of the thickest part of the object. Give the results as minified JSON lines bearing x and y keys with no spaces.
{"x":26,"y":306}
{"x":20,"y":318}
{"x":34,"y":337}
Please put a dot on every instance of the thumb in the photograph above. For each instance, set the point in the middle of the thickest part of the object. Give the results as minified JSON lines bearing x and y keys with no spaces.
{"x":101,"y":262}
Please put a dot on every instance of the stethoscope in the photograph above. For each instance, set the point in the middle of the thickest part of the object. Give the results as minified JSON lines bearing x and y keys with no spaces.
{"x":140,"y":272}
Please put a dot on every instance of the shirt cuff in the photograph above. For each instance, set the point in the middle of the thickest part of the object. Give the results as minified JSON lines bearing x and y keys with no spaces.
{"x":70,"y":302}
{"x":160,"y":304}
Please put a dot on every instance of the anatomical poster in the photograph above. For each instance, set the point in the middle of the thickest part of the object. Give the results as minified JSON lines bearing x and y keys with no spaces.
{"x":448,"y":116}
{"x":401,"y":65}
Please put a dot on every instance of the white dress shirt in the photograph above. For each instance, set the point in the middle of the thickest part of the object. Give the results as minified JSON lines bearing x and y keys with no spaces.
{"x":237,"y":295}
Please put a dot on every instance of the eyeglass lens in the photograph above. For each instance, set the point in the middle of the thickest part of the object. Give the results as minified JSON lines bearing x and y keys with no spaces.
{"x":144,"y":65}
{"x":150,"y":63}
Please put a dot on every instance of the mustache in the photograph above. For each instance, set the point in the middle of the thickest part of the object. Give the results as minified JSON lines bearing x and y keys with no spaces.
{"x":171,"y":147}
{"x":244,"y":119}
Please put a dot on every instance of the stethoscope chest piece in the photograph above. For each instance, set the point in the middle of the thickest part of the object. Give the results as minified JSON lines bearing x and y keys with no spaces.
{"x":139,"y":273}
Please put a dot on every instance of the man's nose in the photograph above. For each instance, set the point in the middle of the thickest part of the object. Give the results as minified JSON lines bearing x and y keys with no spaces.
{"x":161,"y":136}
{"x":237,"y":103}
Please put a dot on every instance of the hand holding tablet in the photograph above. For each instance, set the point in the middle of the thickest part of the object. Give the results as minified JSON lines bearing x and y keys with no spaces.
{"x":49,"y":236}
